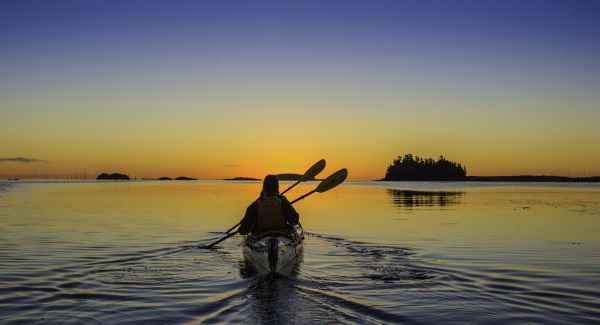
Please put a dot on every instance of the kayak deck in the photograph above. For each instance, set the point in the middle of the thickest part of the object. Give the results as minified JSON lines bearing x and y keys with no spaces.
{"x":274,"y":252}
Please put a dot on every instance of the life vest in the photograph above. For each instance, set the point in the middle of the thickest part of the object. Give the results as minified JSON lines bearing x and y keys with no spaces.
{"x":270,"y":216}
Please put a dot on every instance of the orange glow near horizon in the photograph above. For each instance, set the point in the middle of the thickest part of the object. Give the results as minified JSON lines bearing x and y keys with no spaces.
{"x":212,"y":137}
{"x":220,"y":146}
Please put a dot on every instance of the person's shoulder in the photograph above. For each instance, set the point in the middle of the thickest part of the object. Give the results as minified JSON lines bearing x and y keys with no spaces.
{"x":283,"y":198}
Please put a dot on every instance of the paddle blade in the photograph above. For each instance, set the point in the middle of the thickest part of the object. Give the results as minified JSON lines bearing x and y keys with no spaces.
{"x":314,"y":170}
{"x":332,"y":181}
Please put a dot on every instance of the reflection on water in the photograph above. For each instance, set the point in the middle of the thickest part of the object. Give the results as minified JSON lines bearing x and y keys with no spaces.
{"x":274,"y":302}
{"x":342,"y":281}
{"x":407,"y":199}
{"x":126,"y":253}
{"x":5,"y":187}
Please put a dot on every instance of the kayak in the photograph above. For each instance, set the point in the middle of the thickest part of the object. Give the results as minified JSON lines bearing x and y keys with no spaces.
{"x":274,"y":252}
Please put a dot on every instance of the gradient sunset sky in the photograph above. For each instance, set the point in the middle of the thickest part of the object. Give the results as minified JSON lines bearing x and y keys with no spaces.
{"x":215,"y":89}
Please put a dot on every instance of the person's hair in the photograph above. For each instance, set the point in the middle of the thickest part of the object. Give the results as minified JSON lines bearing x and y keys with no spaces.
{"x":271,"y":185}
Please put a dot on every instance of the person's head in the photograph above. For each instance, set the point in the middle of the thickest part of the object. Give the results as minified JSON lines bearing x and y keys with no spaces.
{"x":271,"y":185}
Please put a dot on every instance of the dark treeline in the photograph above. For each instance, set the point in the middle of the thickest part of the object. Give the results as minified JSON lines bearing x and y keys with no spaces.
{"x":415,"y":168}
{"x":531,"y":178}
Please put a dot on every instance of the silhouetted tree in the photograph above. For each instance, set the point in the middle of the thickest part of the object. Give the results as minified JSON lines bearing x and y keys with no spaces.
{"x":415,"y":168}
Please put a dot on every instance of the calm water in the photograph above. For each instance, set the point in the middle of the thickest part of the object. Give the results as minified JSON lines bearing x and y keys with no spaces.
{"x":99,"y":253}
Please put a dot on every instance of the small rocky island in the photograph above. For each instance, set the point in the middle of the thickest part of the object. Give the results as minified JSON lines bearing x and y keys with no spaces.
{"x":113,"y":177}
{"x":241,"y":179}
{"x":165,"y":178}
{"x":184,"y":178}
{"x":281,"y":177}
{"x":291,"y":177}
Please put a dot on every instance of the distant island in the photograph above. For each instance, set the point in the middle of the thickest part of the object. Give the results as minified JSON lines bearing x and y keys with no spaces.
{"x":281,"y":177}
{"x":183,"y":178}
{"x":113,"y":177}
{"x":241,"y":179}
{"x":533,"y":178}
{"x":165,"y":178}
{"x":291,"y":177}
{"x":415,"y":168}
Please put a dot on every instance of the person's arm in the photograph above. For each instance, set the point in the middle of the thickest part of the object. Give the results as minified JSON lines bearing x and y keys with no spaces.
{"x":249,"y":220}
{"x":290,"y":213}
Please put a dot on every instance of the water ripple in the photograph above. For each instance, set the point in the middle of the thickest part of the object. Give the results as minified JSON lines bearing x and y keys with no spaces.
{"x":55,"y":271}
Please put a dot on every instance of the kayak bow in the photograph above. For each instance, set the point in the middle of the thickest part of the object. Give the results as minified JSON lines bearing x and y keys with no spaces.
{"x":274,"y":252}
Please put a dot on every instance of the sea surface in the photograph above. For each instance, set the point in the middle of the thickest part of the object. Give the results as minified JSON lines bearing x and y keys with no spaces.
{"x":377,"y":252}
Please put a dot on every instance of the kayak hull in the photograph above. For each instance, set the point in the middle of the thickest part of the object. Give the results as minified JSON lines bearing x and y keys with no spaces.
{"x":275,"y":252}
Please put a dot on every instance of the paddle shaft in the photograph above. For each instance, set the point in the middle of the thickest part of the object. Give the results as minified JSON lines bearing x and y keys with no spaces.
{"x":237,"y":224}
{"x":303,"y":196}
{"x":222,"y":239}
{"x":291,"y":187}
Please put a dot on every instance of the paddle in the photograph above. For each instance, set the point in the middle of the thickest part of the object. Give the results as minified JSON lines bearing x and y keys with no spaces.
{"x":310,"y":174}
{"x":330,"y":182}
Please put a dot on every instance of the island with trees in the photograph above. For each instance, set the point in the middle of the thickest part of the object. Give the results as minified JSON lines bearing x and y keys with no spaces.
{"x":415,"y":168}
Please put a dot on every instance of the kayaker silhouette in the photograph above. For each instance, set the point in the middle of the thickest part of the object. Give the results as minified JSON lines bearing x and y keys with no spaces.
{"x":271,"y":212}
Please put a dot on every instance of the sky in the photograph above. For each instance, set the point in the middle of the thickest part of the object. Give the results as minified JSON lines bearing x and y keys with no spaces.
{"x":214,"y":89}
